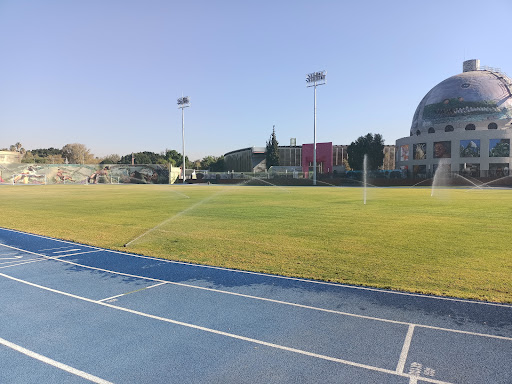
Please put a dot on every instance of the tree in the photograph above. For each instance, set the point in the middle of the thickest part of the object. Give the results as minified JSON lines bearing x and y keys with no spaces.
{"x":29,"y":158}
{"x":370,"y":145}
{"x":78,"y":154}
{"x":196,"y":164}
{"x":54,"y":159}
{"x":46,"y":152}
{"x":139,"y":158}
{"x":218,"y":165}
{"x":174,"y":158}
{"x":212,"y":163}
{"x":44,"y":156}
{"x":346,"y":164}
{"x":169,"y":157}
{"x":110,"y":159}
{"x":207,"y":162}
{"x":17,"y":148}
{"x":272,"y":150}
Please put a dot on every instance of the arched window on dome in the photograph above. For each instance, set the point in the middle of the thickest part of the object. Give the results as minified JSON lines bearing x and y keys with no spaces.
{"x":418,"y":132}
{"x":431,"y":130}
{"x":470,"y":127}
{"x":448,"y":128}
{"x":492,"y":126}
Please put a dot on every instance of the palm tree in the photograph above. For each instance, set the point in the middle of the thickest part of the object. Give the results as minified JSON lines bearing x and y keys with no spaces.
{"x":18,"y":147}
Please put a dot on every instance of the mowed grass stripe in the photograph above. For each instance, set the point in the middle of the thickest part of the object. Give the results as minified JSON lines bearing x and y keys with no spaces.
{"x":455,"y":243}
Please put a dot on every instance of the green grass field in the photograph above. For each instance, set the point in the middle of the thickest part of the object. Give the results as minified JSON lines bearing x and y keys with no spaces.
{"x":456,"y":243}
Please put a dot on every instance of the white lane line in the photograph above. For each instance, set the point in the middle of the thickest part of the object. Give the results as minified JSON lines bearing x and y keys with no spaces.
{"x":51,"y":249}
{"x":67,"y":250}
{"x":25,"y":262}
{"x":270,"y":276}
{"x":413,"y":380}
{"x":77,"y":253}
{"x":24,"y":250}
{"x":405,"y":350}
{"x":56,"y":364}
{"x":13,"y":256}
{"x":128,"y":293}
{"x":271,"y":300}
{"x":12,"y":260}
{"x":223,"y":292}
{"x":226,"y":334}
{"x":48,"y":257}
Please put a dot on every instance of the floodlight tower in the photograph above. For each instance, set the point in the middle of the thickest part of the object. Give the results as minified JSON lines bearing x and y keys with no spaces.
{"x":183,"y":102}
{"x":314,"y":79}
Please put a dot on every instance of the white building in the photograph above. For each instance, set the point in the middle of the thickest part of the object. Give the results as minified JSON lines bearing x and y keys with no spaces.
{"x":466,"y":120}
{"x":8,"y":157}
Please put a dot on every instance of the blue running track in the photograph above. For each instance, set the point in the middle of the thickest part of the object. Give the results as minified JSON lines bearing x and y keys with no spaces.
{"x":71,"y":313}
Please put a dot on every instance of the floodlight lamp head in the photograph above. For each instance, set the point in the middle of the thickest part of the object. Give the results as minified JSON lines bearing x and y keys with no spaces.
{"x":183,"y":101}
{"x":315,"y":77}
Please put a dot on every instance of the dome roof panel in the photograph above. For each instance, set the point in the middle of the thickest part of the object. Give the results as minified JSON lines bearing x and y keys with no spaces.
{"x":470,"y":96}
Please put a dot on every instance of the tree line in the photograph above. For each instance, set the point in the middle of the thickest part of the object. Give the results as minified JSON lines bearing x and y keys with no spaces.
{"x":77,"y":153}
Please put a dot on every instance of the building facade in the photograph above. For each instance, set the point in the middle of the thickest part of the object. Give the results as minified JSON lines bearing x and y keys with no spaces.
{"x":246,"y":160}
{"x":9,"y":157}
{"x":330,"y":158}
{"x":463,"y":124}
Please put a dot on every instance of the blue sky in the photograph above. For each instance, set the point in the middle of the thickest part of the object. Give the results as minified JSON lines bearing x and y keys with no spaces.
{"x":107,"y":73}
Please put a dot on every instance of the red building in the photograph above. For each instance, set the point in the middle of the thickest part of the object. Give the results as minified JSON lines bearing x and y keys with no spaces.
{"x":323,"y":158}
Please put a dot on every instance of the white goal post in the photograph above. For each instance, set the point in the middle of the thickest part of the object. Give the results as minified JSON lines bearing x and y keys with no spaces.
{"x":105,"y":179}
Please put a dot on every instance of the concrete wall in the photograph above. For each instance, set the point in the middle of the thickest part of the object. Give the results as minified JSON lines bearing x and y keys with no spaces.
{"x":8,"y":157}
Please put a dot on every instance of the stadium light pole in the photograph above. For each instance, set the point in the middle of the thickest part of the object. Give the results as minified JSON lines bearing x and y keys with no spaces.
{"x":314,"y":79}
{"x":183,"y":102}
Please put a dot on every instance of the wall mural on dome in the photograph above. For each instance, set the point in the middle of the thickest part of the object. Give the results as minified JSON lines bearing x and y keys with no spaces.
{"x":470,"y":148}
{"x":404,"y":152}
{"x":442,"y":150}
{"x":499,"y":148}
{"x":420,"y":151}
{"x":457,"y":108}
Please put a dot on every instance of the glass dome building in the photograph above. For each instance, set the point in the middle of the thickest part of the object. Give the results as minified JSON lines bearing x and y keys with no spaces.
{"x":464,"y":124}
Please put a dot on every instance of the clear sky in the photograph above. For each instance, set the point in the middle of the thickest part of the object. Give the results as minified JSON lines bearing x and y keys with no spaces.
{"x":107,"y":73}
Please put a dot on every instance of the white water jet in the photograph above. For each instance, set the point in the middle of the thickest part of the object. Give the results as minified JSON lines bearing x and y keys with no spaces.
{"x":329,"y":184}
{"x":179,"y":214}
{"x":440,"y":175}
{"x":420,"y":182}
{"x":475,"y":185}
{"x":487,"y":185}
{"x":265,"y":182}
